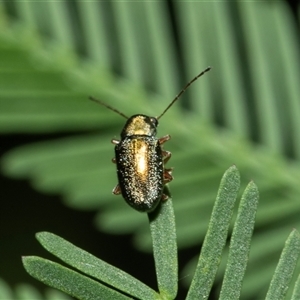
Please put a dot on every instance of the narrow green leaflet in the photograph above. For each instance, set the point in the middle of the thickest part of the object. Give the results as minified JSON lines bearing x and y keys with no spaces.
{"x":240,"y":244}
{"x":5,"y":290}
{"x":216,"y":235}
{"x":296,"y":292}
{"x":24,"y":291}
{"x":285,"y":268}
{"x":95,"y":267}
{"x":163,"y":231}
{"x":27,"y":292}
{"x":68,"y":281}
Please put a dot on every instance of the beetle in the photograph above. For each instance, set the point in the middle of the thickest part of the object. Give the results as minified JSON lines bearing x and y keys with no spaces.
{"x":140,"y":158}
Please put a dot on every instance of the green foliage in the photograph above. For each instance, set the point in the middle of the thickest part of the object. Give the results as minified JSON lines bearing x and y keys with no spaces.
{"x":28,"y":292}
{"x":215,"y":238}
{"x":51,"y":59}
{"x":162,"y":227}
{"x":240,"y":244}
{"x":92,"y":266}
{"x":285,"y":268}
{"x":118,"y":284}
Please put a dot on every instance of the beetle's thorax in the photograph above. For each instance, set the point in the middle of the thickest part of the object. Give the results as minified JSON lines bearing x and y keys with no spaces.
{"x":140,"y":125}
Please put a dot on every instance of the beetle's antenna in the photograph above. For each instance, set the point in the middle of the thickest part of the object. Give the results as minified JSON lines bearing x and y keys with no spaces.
{"x":108,"y":106}
{"x":183,"y":90}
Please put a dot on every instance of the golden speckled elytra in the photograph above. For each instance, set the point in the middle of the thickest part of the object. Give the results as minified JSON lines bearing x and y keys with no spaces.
{"x":141,"y":160}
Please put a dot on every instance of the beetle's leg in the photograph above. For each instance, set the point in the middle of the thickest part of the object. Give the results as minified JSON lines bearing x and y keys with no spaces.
{"x":164,"y":197}
{"x":166,"y":155}
{"x":116,"y":142}
{"x":168,"y":175}
{"x":164,"y":139}
{"x":169,"y":170}
{"x":116,"y":190}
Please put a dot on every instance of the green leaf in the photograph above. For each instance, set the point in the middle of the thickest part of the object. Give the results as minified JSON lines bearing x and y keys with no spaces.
{"x":68,"y":280}
{"x":163,"y":232}
{"x":216,"y":236}
{"x":95,"y":267}
{"x":5,"y":290}
{"x":285,"y":268}
{"x":24,"y":291}
{"x":162,"y":227}
{"x":296,"y":291}
{"x":240,"y":244}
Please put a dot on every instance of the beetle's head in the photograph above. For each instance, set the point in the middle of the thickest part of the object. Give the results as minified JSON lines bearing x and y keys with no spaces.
{"x":140,"y":125}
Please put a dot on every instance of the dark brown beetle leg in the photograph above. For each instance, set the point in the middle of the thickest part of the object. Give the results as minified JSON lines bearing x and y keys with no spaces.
{"x":115,"y":142}
{"x":167,"y":178}
{"x":168,"y":175}
{"x":164,"y":139}
{"x":116,"y":190}
{"x":166,"y":156}
{"x":164,"y":197}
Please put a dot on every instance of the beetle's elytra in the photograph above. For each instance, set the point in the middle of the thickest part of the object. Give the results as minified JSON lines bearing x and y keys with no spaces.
{"x":141,"y":160}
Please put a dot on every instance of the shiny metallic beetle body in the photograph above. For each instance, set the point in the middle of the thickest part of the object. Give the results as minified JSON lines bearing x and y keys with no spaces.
{"x":140,"y":163}
{"x":141,"y":160}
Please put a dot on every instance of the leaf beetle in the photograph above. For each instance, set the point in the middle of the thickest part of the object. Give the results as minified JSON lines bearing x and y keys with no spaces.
{"x":141,"y":160}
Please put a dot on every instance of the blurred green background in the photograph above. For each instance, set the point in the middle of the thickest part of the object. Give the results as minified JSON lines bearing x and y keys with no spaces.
{"x":56,"y":153}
